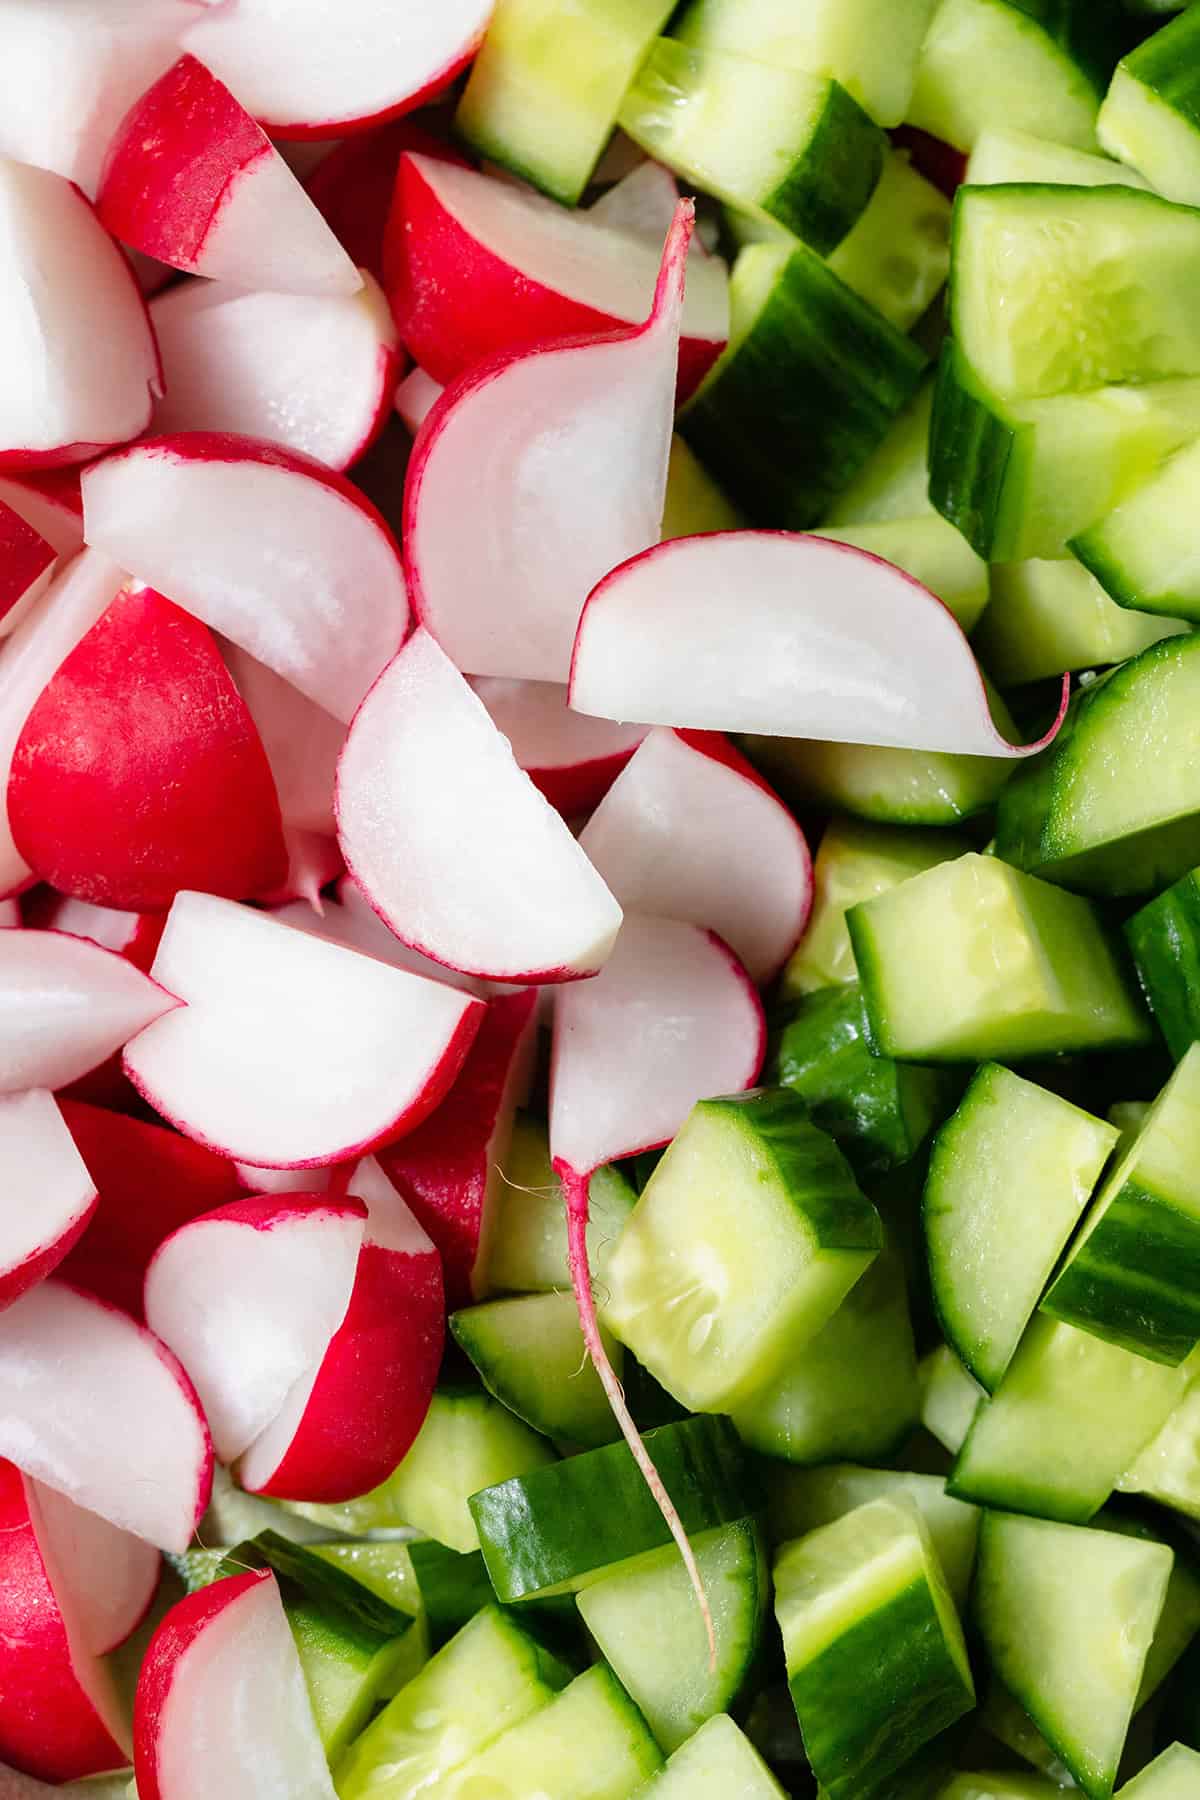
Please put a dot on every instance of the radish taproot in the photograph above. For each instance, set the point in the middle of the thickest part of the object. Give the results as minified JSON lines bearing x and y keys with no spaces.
{"x":49,"y":1196}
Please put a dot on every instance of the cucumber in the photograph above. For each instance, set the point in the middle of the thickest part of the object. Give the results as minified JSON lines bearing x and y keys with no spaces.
{"x":718,"y":1763}
{"x":893,"y":483}
{"x":1167,"y":1469}
{"x":1047,"y":616}
{"x":1006,"y":1784}
{"x":1022,"y":968}
{"x":866,"y":1594}
{"x":557,"y":1529}
{"x":897,"y":254}
{"x":694,"y":502}
{"x":545,"y":88}
{"x":529,"y":1245}
{"x":1067,"y":1615}
{"x":454,"y":1586}
{"x":1142,"y":552}
{"x":930,"y":550}
{"x":1151,"y":114}
{"x":1001,"y":154}
{"x":1179,"y":1620}
{"x":530,"y":1354}
{"x":891,"y":787}
{"x":349,"y":1671}
{"x":1010,"y":1175}
{"x":1133,"y":1275}
{"x":1175,"y":1775}
{"x":745,"y":1240}
{"x":950,"y":1397}
{"x":1006,"y":1720}
{"x":384,"y":1568}
{"x":776,"y":142}
{"x":1164,"y":937}
{"x":327,"y":1585}
{"x":648,"y":1627}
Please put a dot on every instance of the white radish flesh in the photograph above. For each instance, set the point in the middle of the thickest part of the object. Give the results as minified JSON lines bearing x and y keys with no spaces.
{"x":108,"y":1576}
{"x":352,"y":920}
{"x":571,"y":758}
{"x":48,"y":1195}
{"x":66,"y":1004}
{"x":302,"y":741}
{"x":416,"y":397}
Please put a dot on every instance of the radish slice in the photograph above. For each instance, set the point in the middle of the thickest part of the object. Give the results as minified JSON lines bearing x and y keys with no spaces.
{"x":132,"y":935}
{"x":50,"y":501}
{"x":564,"y":453}
{"x":66,"y":1004}
{"x":691,"y":832}
{"x":314,"y":861}
{"x":314,"y":374}
{"x":60,"y":1717}
{"x":305,"y":70}
{"x":269,"y":548}
{"x":191,"y":180}
{"x":302,"y":741}
{"x":416,"y":397}
{"x":248,"y":1299}
{"x":822,"y":641}
{"x":351,"y":920}
{"x":93,"y":1405}
{"x":353,"y":183}
{"x":454,"y":847}
{"x":107,"y":1576}
{"x":641,"y":203}
{"x":282,"y":1181}
{"x":64,"y":289}
{"x":476,"y":266}
{"x":294,"y":1051}
{"x":48,"y":1194}
{"x":572,"y":759}
{"x":26,"y":565}
{"x":139,"y":771}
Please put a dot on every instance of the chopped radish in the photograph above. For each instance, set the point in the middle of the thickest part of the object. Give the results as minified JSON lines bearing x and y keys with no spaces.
{"x":60,"y":1717}
{"x":248,"y":1299}
{"x":26,"y":566}
{"x":294,"y":1050}
{"x":475,"y":266}
{"x":452,"y":844}
{"x":10,"y":915}
{"x":448,"y":1170}
{"x":416,"y":397}
{"x":139,"y":770}
{"x":48,"y":1194}
{"x":314,"y":374}
{"x":643,"y":204}
{"x":784,"y":634}
{"x":306,"y":70}
{"x":132,"y":935}
{"x":108,"y":1575}
{"x":269,"y":548}
{"x":564,"y":453}
{"x":351,"y":920}
{"x":191,"y":180}
{"x":93,"y":1405}
{"x":65,"y":289}
{"x":352,"y":186}
{"x":302,"y":741}
{"x":50,"y":500}
{"x":314,"y":861}
{"x":66,"y":1004}
{"x":259,"y":1180}
{"x":574,"y":760}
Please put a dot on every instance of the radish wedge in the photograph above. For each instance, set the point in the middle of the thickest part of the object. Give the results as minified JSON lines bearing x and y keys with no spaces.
{"x":642,"y":203}
{"x":416,"y":397}
{"x":269,"y":548}
{"x":248,"y":1299}
{"x":293,"y":1051}
{"x":26,"y":565}
{"x":48,"y":1194}
{"x":302,"y":741}
{"x":314,"y":374}
{"x":787,"y":635}
{"x":452,"y":844}
{"x":572,"y":759}
{"x":65,"y":1005}
{"x":132,"y":935}
{"x":108,"y":1576}
{"x":93,"y":1405}
{"x":353,"y":183}
{"x":476,"y":266}
{"x":222,"y":1706}
{"x":191,"y":180}
{"x":351,"y":920}
{"x":564,"y":453}
{"x":691,"y":832}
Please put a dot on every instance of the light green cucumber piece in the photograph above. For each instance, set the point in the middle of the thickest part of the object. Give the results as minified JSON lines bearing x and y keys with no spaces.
{"x":1009,"y":1177}
{"x":930,"y":550}
{"x":1007,"y":1721}
{"x":530,"y":1354}
{"x":950,"y":1397}
{"x":649,"y":1629}
{"x":718,"y":1763}
{"x":1001,"y":154}
{"x":1143,"y":552}
{"x":1046,"y":616}
{"x":893,"y":483}
{"x":1167,"y":1469}
{"x":1151,"y":113}
{"x":891,"y":787}
{"x":1128,"y":1116}
{"x":384,"y":1568}
{"x":1006,"y":1784}
{"x":897,"y":254}
{"x":743,"y":1243}
{"x":1165,"y":939}
{"x":529,"y":1245}
{"x":1175,"y":1775}
{"x":233,"y":1515}
{"x":348,"y":1671}
{"x":694,"y":502}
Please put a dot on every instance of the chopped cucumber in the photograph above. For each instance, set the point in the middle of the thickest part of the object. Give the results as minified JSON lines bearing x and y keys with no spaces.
{"x":1007,"y":1784}
{"x":348,"y":1670}
{"x":718,"y":1763}
{"x":1175,"y":1775}
{"x":1006,"y":1720}
{"x":454,"y":1585}
{"x":1151,"y":114}
{"x":1144,"y":552}
{"x":1165,"y":939}
{"x":897,"y":254}
{"x":1001,"y":154}
{"x":950,"y":1397}
{"x":529,"y":1244}
{"x":1047,"y":616}
{"x":530,"y":1354}
{"x":892,"y":787}
{"x":1167,"y":1469}
{"x":930,"y":550}
{"x":893,"y":483}
{"x":694,"y":502}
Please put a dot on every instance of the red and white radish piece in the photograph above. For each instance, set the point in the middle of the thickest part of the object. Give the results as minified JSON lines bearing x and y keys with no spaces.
{"x":476,"y":266}
{"x":572,"y":759}
{"x":353,"y":184}
{"x":259,"y":1180}
{"x":248,"y":1299}
{"x":787,"y":635}
{"x":314,"y":374}
{"x":269,"y":548}
{"x":139,"y":771}
{"x":302,"y":741}
{"x":306,"y":71}
{"x":351,"y":920}
{"x":641,"y":203}
{"x":26,"y":566}
{"x":66,"y":1004}
{"x":48,"y":1194}
{"x":65,"y":288}
{"x":132,"y":935}
{"x":191,"y":180}
{"x":93,"y":1405}
{"x":416,"y":397}
{"x":314,"y":861}
{"x":564,"y":453}
{"x":295,"y":1050}
{"x":347,"y":1424}
{"x":452,"y":844}
{"x":222,"y":1706}
{"x":107,"y":1576}
{"x":50,"y":501}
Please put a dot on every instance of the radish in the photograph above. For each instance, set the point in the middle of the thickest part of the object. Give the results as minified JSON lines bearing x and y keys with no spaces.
{"x":448,"y":1170}
{"x":642,"y":203}
{"x":452,"y":844}
{"x":690,"y":831}
{"x":10,"y":915}
{"x":26,"y":566}
{"x":293,"y":1051}
{"x":66,"y":1004}
{"x":92,"y":1405}
{"x":108,"y":1576}
{"x":49,"y":1195}
{"x":475,"y":266}
{"x":314,"y":861}
{"x":416,"y":397}
{"x":248,"y":1298}
{"x":132,"y":935}
{"x":284,"y":575}
{"x":352,"y":921}
{"x":191,"y":180}
{"x":60,"y":1718}
{"x":305,"y":70}
{"x":352,"y":185}
{"x":527,"y":435}
{"x":50,"y":501}
{"x":572,"y":759}
{"x":259,"y":1180}
{"x":821,"y":641}
{"x":139,"y":771}
{"x":349,"y":1422}
{"x":64,"y":289}
{"x":316,"y":374}
{"x":302,"y":741}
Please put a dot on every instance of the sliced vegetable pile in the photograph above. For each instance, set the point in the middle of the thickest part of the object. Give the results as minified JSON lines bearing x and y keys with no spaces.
{"x":516,"y":1281}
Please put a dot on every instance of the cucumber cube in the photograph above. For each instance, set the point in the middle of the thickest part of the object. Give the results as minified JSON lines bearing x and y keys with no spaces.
{"x":718,"y":1763}
{"x":1175,"y":1775}
{"x":530,"y":1354}
{"x":1165,"y":939}
{"x":529,"y":1239}
{"x":950,"y":1397}
{"x":1151,"y":112}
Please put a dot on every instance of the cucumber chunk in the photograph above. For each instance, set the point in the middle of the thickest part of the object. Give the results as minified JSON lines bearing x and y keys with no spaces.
{"x":348,"y":1671}
{"x":1165,"y":939}
{"x":897,"y":254}
{"x":893,"y":483}
{"x":1143,"y":552}
{"x":530,"y":1354}
{"x":694,"y":502}
{"x":1003,"y":155}
{"x":1047,"y":616}
{"x":1006,"y":1720}
{"x":950,"y":1397}
{"x":746,"y":1238}
{"x":1006,"y":1784}
{"x":649,"y":1629}
{"x":1167,"y":1469}
{"x":1175,"y":1775}
{"x":1151,"y":115}
{"x":891,"y":787}
{"x":930,"y":550}
{"x":718,"y":1763}
{"x":529,"y":1244}
{"x":383,"y":1568}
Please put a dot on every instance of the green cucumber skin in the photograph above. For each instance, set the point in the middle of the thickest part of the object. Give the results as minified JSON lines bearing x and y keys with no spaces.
{"x":538,"y":1369}
{"x":1136,"y":1280}
{"x":1091,"y":549}
{"x":454,"y":1586}
{"x":1089,"y":34}
{"x":1165,"y":940}
{"x":973,"y":452}
{"x":827,"y":190}
{"x":1168,"y":65}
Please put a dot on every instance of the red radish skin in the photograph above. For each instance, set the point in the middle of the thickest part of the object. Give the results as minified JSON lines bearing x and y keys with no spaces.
{"x":105,"y":1577}
{"x":139,"y":771}
{"x":570,"y":758}
{"x":66,"y":1005}
{"x":25,"y":561}
{"x":50,"y":500}
{"x":132,"y":935}
{"x":49,"y":1196}
{"x":352,"y":187}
